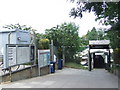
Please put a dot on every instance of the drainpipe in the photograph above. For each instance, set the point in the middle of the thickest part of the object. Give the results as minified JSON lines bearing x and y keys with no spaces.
{"x":34,"y":46}
{"x":10,"y":67}
{"x":9,"y":38}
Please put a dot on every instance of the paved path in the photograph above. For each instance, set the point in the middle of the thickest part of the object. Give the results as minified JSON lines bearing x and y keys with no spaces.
{"x":69,"y":78}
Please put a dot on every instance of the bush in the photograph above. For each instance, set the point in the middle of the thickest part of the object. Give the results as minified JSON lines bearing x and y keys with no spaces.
{"x":77,"y":60}
{"x":116,"y":56}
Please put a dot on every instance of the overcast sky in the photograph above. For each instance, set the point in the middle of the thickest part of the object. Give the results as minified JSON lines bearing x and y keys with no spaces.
{"x":42,"y":14}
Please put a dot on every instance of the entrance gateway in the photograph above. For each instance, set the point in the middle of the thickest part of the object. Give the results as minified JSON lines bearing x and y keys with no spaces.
{"x":95,"y":60}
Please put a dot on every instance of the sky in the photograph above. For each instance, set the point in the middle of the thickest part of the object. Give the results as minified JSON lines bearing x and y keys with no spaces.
{"x":43,"y":14}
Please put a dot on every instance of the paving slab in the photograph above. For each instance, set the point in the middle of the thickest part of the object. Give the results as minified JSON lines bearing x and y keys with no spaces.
{"x":69,"y":78}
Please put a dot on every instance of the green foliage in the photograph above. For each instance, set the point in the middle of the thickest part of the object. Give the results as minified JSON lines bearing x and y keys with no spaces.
{"x":94,"y":34}
{"x":42,"y":41}
{"x":83,"y":43}
{"x":17,"y":26}
{"x":75,"y":65}
{"x":101,"y":35}
{"x":114,"y":36}
{"x":44,"y":44}
{"x":116,"y":56}
{"x":78,"y":59}
{"x":65,"y":35}
{"x":107,"y":12}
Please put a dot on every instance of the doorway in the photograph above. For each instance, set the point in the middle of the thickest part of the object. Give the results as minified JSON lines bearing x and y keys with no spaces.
{"x":98,"y":61}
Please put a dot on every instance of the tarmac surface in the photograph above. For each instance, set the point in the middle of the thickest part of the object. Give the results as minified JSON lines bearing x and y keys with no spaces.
{"x":69,"y":78}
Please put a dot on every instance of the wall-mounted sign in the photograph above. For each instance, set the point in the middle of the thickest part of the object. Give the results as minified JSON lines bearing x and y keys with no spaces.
{"x":99,"y":42}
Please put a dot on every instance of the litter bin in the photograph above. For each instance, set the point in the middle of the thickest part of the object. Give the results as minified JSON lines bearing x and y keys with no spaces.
{"x":60,"y":64}
{"x":52,"y":67}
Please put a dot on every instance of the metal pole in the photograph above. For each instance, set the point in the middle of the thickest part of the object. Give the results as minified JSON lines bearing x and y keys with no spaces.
{"x":10,"y":71}
{"x":63,"y":55}
{"x":35,"y":47}
{"x":109,"y":60}
{"x":52,"y":51}
{"x":63,"y":50}
{"x":89,"y":61}
{"x":39,"y":62}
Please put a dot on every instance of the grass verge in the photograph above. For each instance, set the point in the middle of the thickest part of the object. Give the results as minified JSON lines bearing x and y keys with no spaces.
{"x":75,"y":65}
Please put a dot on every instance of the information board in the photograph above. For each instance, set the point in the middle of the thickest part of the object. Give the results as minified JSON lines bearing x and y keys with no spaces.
{"x":11,"y":56}
{"x":19,"y":54}
{"x":43,"y":57}
{"x":23,"y":55}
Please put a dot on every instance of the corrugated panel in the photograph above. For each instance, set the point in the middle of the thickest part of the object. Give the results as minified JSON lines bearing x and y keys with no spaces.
{"x":23,"y":37}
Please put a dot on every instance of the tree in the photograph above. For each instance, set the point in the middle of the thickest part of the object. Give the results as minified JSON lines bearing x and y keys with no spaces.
{"x":17,"y":26}
{"x":95,"y":34}
{"x":107,"y":12}
{"x":43,"y":44}
{"x":42,"y":41}
{"x":101,"y":35}
{"x":65,"y":35}
{"x":92,"y":35}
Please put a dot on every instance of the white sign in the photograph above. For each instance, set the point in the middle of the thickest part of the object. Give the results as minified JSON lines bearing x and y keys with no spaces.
{"x":23,"y":55}
{"x":99,"y":42}
{"x":99,"y":53}
{"x":11,"y":56}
